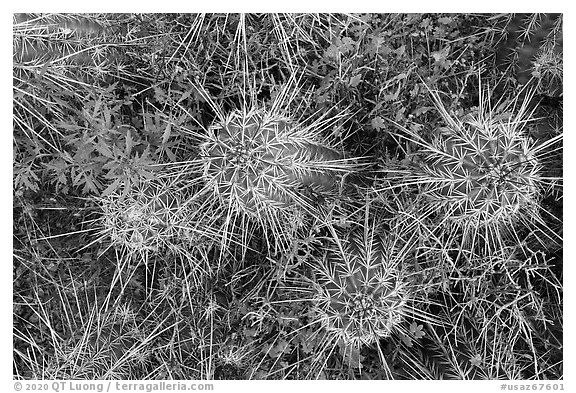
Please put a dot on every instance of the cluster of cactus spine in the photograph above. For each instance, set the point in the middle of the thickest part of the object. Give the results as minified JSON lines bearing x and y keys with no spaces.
{"x":149,"y":217}
{"x":362,"y":294}
{"x":262,"y":167}
{"x":481,"y":171}
{"x":259,"y":161}
{"x":66,"y":43}
{"x":533,"y":44}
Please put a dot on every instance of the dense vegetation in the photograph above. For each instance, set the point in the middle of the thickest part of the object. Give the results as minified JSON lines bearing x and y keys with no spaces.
{"x":289,"y":196}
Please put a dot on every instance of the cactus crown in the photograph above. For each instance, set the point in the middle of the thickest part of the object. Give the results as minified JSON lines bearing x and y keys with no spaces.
{"x":259,"y":161}
{"x":481,"y":174}
{"x":481,"y":169}
{"x":143,"y":220}
{"x":361,"y":291}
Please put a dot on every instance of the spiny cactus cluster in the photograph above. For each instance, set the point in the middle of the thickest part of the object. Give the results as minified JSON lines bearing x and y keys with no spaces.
{"x":262,"y":169}
{"x":362,"y":293}
{"x":481,"y":170}
{"x":258,"y":162}
{"x":532,"y":45}
{"x":67,"y":44}
{"x":147,"y":218}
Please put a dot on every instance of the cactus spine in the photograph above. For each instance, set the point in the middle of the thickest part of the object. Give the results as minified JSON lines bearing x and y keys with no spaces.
{"x":361,"y":290}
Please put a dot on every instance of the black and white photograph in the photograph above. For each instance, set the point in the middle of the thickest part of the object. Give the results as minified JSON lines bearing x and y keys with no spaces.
{"x":287,"y":196}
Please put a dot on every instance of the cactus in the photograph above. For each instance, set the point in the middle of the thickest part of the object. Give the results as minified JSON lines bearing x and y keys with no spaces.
{"x":362,"y":294}
{"x":149,"y":217}
{"x":258,"y":161}
{"x":482,"y":172}
{"x":485,"y":175}
{"x":81,"y":44}
{"x":532,"y":45}
{"x":260,"y":167}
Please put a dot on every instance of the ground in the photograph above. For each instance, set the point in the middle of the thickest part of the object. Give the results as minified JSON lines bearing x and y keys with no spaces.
{"x":287,"y":196}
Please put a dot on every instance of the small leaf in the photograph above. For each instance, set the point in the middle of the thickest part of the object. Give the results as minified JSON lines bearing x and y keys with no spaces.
{"x":96,"y":108}
{"x":400,"y":76}
{"x":111,"y":188}
{"x":332,"y":52}
{"x":185,"y":96}
{"x":111,"y":166}
{"x":278,"y":349}
{"x":43,"y":69}
{"x":77,"y":179}
{"x":441,"y":55}
{"x":107,"y":117}
{"x":355,"y":80}
{"x":407,"y":340}
{"x":89,"y":185}
{"x":377,"y":123}
{"x":166,"y":134}
{"x":170,"y":154}
{"x":422,"y":110}
{"x":308,"y":345}
{"x":445,"y":20}
{"x":250,"y":332}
